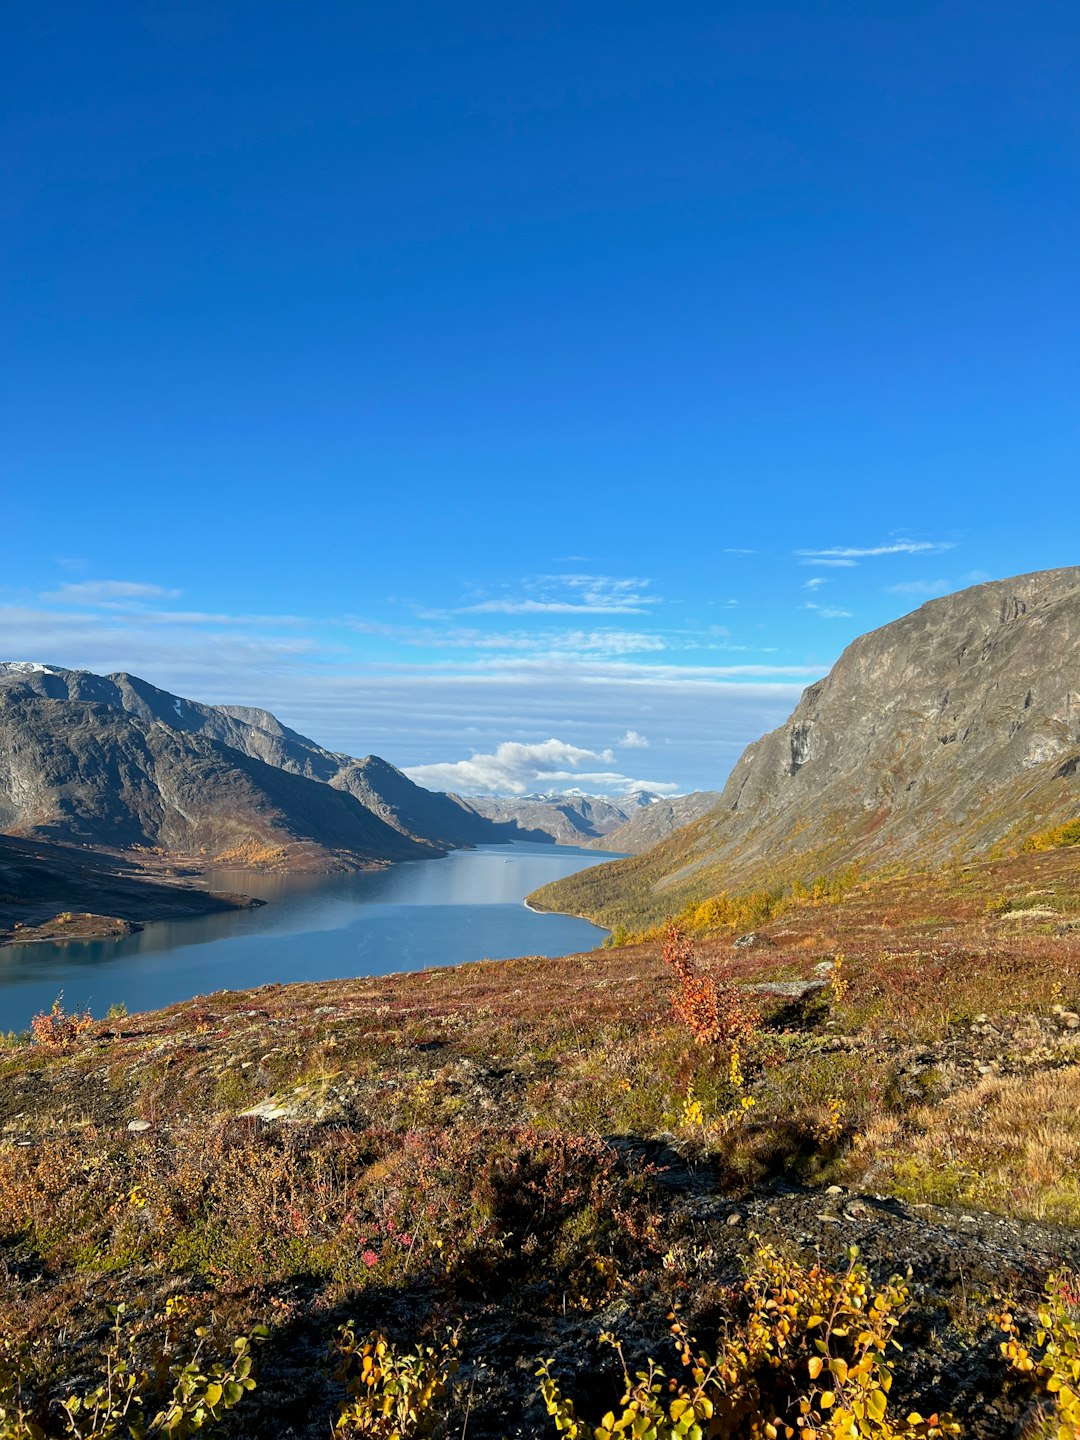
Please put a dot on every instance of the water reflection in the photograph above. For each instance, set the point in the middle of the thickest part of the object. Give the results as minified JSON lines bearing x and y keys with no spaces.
{"x":427,"y":912}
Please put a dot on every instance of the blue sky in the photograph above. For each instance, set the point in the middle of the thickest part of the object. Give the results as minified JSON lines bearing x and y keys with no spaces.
{"x":449,"y":378}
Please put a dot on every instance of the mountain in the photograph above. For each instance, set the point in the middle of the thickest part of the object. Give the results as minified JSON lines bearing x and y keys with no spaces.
{"x":563,"y":817}
{"x":948,"y":732}
{"x":650,"y":824}
{"x":113,"y":761}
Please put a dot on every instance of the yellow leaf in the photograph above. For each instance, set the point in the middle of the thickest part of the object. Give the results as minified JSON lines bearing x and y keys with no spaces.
{"x":815,"y":1365}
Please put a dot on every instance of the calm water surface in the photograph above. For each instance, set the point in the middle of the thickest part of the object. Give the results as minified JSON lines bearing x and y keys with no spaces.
{"x":467,"y":906}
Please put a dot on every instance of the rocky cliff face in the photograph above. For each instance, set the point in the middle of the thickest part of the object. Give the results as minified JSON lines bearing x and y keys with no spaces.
{"x":114,"y":761}
{"x":935,"y":737}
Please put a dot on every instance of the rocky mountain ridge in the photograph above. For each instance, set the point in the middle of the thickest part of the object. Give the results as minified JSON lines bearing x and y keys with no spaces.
{"x":949,"y":731}
{"x":114,"y":761}
{"x":566,"y":817}
{"x":650,"y":824}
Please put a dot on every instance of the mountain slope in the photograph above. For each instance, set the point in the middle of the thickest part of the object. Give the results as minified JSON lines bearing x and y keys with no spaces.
{"x":933,"y":738}
{"x":78,"y":770}
{"x":120,"y":785}
{"x":653,"y":823}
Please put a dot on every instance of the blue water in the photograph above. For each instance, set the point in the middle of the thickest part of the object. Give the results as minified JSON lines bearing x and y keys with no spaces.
{"x":468,"y":906}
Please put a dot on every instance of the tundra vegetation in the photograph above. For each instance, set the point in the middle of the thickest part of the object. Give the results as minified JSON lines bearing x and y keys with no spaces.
{"x":825,"y":1183}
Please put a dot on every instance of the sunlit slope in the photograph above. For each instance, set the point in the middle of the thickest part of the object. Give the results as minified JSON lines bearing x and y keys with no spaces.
{"x":941,"y":735}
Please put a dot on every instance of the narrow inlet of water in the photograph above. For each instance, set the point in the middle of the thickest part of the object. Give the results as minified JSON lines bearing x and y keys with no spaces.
{"x":467,"y":906}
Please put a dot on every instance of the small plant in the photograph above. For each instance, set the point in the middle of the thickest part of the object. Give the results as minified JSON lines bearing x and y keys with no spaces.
{"x":117,"y":1011}
{"x":1051,"y":1359}
{"x":838,"y":981}
{"x":200,"y":1394}
{"x":831,"y":1125}
{"x":117,"y":1405}
{"x":56,"y":1029}
{"x":393,"y":1394}
{"x":15,"y":1419}
{"x":693,"y":1116}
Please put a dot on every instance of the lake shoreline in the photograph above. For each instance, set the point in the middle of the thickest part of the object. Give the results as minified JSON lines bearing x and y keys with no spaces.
{"x":296,"y":926}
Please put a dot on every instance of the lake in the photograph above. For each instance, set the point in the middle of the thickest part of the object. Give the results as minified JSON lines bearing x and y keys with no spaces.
{"x":468,"y":906}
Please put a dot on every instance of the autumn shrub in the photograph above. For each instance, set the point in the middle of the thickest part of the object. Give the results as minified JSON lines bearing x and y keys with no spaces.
{"x":810,"y":1359}
{"x":1057,"y":835}
{"x":393,"y":1394}
{"x":57,"y":1029}
{"x":1049,"y":1359}
{"x":708,"y":1003}
{"x":743,"y":912}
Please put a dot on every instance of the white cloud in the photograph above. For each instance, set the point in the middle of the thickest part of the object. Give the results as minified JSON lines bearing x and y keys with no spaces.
{"x":569,"y":595}
{"x":831,"y":562}
{"x":549,"y":641}
{"x":514,"y":768}
{"x":632,"y":740}
{"x":108,"y":592}
{"x":896,"y":547}
{"x":828,"y":612}
{"x":815,"y":582}
{"x":921,"y":587}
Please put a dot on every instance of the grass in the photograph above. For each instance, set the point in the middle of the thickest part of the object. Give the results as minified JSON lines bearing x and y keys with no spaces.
{"x":1009,"y":1145}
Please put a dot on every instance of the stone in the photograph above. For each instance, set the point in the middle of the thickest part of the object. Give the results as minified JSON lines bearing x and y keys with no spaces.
{"x":137,"y":1126}
{"x":734,"y":1218}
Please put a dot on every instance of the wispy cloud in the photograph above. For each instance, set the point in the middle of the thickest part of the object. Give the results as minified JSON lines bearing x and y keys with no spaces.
{"x":815,"y":582}
{"x":920,"y":587}
{"x":108,"y":592}
{"x":828,"y":612}
{"x":854,"y":553}
{"x":548,"y":641}
{"x":568,"y":595}
{"x":514,"y":768}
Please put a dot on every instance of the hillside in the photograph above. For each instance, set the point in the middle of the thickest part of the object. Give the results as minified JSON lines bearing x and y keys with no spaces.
{"x":650,"y":824}
{"x":433,"y":820}
{"x":535,"y":1153}
{"x":941,"y":735}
